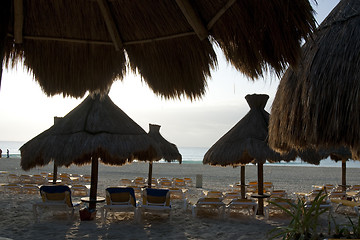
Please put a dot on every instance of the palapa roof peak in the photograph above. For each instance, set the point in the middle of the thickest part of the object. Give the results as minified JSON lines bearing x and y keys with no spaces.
{"x":95,"y":128}
{"x":257,"y":100}
{"x":246,"y":142}
{"x":72,"y":47}
{"x":317,"y":105}
{"x":169,"y":150}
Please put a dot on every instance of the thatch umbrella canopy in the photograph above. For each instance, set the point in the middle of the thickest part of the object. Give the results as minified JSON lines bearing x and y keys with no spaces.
{"x":169,"y":43}
{"x":317,"y":105}
{"x":95,"y":130}
{"x":169,"y":151}
{"x":246,"y":142}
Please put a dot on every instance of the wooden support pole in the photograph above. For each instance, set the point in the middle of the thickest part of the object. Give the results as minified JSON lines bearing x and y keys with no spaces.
{"x":55,"y":174}
{"x":242,"y":181}
{"x":150,"y":174}
{"x":260,"y":188}
{"x":18,"y":21}
{"x":193,"y":18}
{"x":343,"y":174}
{"x":55,"y":171}
{"x":94,"y":181}
{"x":110,"y":24}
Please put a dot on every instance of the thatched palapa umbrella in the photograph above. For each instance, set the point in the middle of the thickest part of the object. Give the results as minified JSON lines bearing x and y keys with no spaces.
{"x":95,"y":130}
{"x":318,"y":104}
{"x":171,"y":44}
{"x":169,"y":151}
{"x":246,"y":142}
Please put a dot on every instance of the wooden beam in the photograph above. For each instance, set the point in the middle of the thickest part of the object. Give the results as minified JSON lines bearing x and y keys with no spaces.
{"x":18,"y":21}
{"x":71,"y":40}
{"x":193,"y":18}
{"x":110,"y":23}
{"x":220,"y":13}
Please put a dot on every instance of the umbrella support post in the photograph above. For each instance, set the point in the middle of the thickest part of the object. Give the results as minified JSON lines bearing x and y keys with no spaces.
{"x":150,"y":174}
{"x":94,"y":181}
{"x":343,"y":174}
{"x":260,"y":189}
{"x":55,"y":174}
{"x":242,"y":181}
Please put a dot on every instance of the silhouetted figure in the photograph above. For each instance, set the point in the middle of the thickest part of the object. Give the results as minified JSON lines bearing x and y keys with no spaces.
{"x":7,"y":153}
{"x":0,"y":153}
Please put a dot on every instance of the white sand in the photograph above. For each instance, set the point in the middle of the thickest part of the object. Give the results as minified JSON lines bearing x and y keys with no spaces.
{"x":17,"y":222}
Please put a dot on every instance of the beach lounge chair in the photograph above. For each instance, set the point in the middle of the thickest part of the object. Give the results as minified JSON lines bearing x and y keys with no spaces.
{"x":178,"y":182}
{"x":38,"y":179}
{"x":25,"y":179}
{"x":213,"y":194}
{"x":337,"y":194}
{"x":79,"y":190}
{"x":125,"y":182}
{"x":30,"y":188}
{"x":274,"y":203}
{"x":56,"y":198}
{"x":119,"y":199}
{"x":188,"y":181}
{"x":232,"y":195}
{"x":239,"y":205}
{"x":278,"y":194}
{"x":12,"y":187}
{"x":209,"y":204}
{"x":156,"y":200}
{"x":346,"y":203}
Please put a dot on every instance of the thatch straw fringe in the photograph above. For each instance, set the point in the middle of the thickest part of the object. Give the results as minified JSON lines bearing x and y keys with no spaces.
{"x":169,"y":151}
{"x":65,"y":43}
{"x":246,"y":142}
{"x":318,"y":104}
{"x":97,"y":127}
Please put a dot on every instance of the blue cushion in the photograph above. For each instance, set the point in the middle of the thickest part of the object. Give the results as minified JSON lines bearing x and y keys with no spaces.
{"x":55,"y":189}
{"x":156,"y":192}
{"x":120,"y":190}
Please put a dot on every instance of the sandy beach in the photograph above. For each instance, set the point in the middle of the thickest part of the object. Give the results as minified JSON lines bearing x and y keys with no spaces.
{"x":17,"y":221}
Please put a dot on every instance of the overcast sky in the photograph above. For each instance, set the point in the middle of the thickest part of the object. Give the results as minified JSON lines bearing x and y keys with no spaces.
{"x":26,"y":111}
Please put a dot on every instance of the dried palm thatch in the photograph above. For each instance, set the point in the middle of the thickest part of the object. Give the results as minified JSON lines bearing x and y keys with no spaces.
{"x":97,"y":127}
{"x":169,"y":151}
{"x":317,"y":105}
{"x":75,"y":46}
{"x":247,"y":142}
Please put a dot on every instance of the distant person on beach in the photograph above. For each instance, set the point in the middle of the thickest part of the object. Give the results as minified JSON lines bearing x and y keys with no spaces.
{"x":7,"y":153}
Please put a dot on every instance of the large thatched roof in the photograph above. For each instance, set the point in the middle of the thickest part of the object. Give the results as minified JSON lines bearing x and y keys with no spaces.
{"x":247,"y":140}
{"x":318,"y":104}
{"x":74,"y":46}
{"x":97,"y":127}
{"x":169,"y":151}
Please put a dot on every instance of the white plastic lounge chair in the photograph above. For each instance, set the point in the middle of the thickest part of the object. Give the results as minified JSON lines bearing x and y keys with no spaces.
{"x":119,"y":199}
{"x":56,"y":198}
{"x":156,"y":200}
{"x":30,"y":189}
{"x":346,"y":203}
{"x":79,"y":190}
{"x":209,"y":204}
{"x":275,"y":202}
{"x":238,"y":205}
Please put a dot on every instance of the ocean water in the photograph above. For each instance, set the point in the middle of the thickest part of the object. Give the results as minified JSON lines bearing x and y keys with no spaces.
{"x":193,"y":155}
